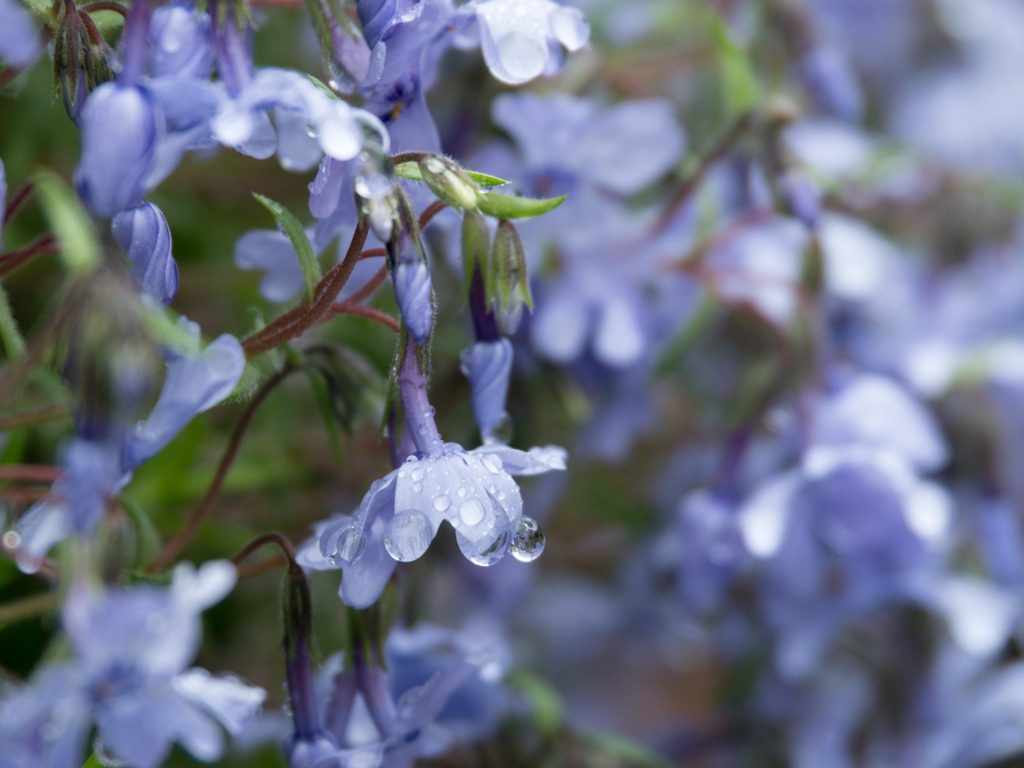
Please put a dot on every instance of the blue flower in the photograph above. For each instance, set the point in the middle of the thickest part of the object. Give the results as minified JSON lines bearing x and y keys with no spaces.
{"x":182,"y":40}
{"x":519,"y":38}
{"x":121,"y":128}
{"x":414,"y":295}
{"x":144,"y":235}
{"x":400,"y":515}
{"x":195,"y":383}
{"x":488,"y":366}
{"x":128,"y":675}
{"x":19,"y":38}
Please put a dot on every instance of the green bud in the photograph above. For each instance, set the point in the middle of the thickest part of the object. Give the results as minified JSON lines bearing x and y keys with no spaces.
{"x":476,"y":246}
{"x":449,"y":182}
{"x":509,"y":278}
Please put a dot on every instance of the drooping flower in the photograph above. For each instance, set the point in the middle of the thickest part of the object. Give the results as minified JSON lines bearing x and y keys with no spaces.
{"x":121,"y":128}
{"x":128,"y":676}
{"x":520,"y":38}
{"x":144,"y":235}
{"x":19,"y":38}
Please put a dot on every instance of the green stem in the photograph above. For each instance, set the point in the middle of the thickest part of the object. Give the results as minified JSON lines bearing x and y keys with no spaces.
{"x":14,"y":342}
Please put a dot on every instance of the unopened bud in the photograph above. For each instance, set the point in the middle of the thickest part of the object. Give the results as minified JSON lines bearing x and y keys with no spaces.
{"x":345,"y":51}
{"x":803,"y":197}
{"x":80,"y":60}
{"x":476,"y":247}
{"x":449,"y":182}
{"x":413,"y":293}
{"x":144,"y":235}
{"x":510,"y":281}
{"x":488,"y":366}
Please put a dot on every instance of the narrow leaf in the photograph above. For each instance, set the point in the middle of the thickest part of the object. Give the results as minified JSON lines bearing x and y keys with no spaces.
{"x":74,"y":230}
{"x":738,"y":80}
{"x":293,"y":229}
{"x":323,"y":402}
{"x":507,"y":207}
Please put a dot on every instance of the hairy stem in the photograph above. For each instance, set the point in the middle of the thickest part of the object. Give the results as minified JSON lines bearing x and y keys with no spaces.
{"x":184,"y":536}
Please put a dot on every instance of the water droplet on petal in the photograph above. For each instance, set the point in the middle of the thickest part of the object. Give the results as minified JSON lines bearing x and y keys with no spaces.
{"x":500,"y":433}
{"x":441,"y":503}
{"x":492,"y":462}
{"x":471,"y":511}
{"x":408,"y":535}
{"x":462,"y":492}
{"x":484,"y":551}
{"x":528,"y":543}
{"x":417,"y":487}
{"x":417,"y":474}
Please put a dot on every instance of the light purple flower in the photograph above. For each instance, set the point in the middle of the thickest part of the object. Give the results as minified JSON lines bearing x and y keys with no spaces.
{"x":414,"y":294}
{"x":121,"y":128}
{"x":19,"y":38}
{"x":488,"y":366}
{"x":128,"y":676}
{"x":182,"y":40}
{"x":195,"y":383}
{"x":520,"y":38}
{"x":401,"y":513}
{"x":144,"y":235}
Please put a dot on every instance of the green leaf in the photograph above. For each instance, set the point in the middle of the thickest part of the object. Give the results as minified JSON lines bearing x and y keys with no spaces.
{"x":546,"y":704}
{"x":411,"y":171}
{"x":43,"y":8}
{"x":293,"y":229}
{"x":323,"y":402}
{"x":92,"y":762}
{"x":74,"y":230}
{"x":148,"y":538}
{"x":738,"y":80}
{"x":13,"y":341}
{"x":508,"y":207}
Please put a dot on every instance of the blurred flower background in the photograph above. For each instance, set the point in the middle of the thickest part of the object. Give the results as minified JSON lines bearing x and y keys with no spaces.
{"x":777,"y":325}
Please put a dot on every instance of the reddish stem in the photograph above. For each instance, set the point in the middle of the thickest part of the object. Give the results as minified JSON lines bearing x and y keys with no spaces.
{"x":431,"y":211}
{"x":273,"y":537}
{"x":40,"y":247}
{"x":721,"y":148}
{"x":293,"y":324}
{"x":30,"y":473}
{"x":19,"y":198}
{"x":371,"y":285}
{"x":373,"y":253}
{"x":345,"y":308}
{"x":105,"y":5}
{"x":184,"y":536}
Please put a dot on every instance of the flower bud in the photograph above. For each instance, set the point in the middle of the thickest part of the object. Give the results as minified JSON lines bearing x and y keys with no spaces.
{"x":79,"y":60}
{"x":121,"y":127}
{"x":414,"y":295}
{"x":182,"y":42}
{"x":476,"y":247}
{"x":802,"y":196}
{"x":346,"y":54}
{"x":488,"y":366}
{"x":144,"y":235}
{"x":510,"y":281}
{"x":449,"y":182}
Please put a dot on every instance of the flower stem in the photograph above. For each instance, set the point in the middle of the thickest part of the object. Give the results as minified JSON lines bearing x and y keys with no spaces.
{"x":184,"y":536}
{"x":419,"y":415}
{"x":136,"y":40}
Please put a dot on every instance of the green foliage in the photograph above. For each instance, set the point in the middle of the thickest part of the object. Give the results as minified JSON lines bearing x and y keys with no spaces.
{"x":293,"y":229}
{"x":71,"y":225}
{"x":508,"y":207}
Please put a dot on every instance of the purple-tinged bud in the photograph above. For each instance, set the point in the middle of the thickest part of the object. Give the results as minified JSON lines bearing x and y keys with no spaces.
{"x":449,"y":182}
{"x":488,"y":366}
{"x":79,"y":60}
{"x":182,"y":42}
{"x":414,"y":295}
{"x":144,"y":235}
{"x":802,"y":196}
{"x":121,"y":127}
